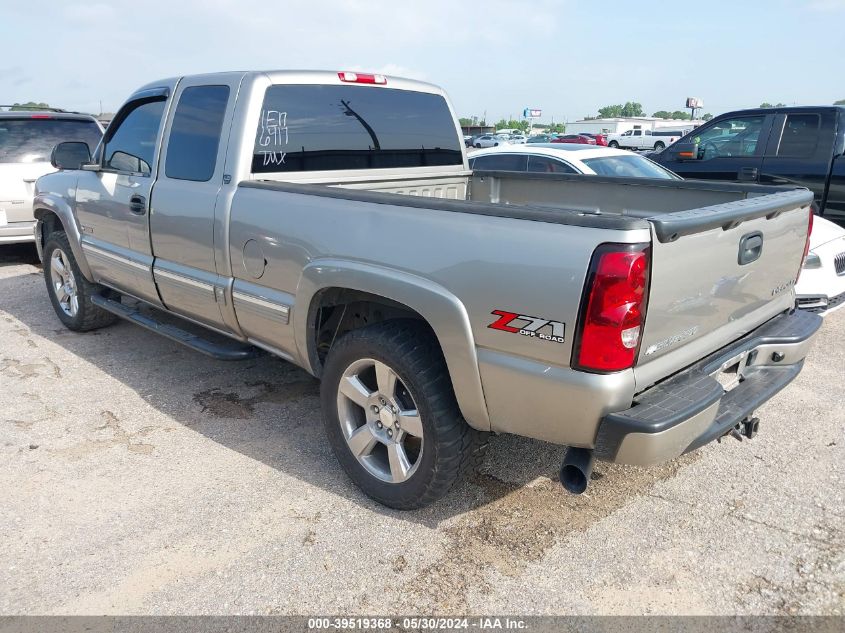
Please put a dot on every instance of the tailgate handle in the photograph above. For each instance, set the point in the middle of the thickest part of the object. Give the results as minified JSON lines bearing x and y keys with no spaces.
{"x":750,"y":248}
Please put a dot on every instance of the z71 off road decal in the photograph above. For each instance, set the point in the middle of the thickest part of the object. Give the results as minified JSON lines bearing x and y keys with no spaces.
{"x":533,"y":326}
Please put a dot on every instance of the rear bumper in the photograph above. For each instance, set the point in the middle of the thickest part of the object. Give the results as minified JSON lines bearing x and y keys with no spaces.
{"x":692,"y":408}
{"x":17,"y":232}
{"x":821,"y":304}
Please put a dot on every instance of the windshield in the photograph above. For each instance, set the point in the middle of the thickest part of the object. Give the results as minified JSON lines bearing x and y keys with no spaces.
{"x":32,"y":140}
{"x":628,"y":167}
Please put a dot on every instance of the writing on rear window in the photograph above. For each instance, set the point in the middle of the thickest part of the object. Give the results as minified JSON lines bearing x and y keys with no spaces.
{"x":317,"y":128}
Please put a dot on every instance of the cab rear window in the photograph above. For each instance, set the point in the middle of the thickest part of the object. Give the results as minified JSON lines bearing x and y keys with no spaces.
{"x":317,"y":128}
{"x":31,"y":140}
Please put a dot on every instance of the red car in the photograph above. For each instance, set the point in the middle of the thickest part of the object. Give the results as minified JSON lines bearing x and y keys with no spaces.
{"x":583,"y":139}
{"x":601,"y":139}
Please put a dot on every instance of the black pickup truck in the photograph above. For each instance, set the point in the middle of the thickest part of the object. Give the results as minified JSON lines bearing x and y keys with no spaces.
{"x":802,"y":146}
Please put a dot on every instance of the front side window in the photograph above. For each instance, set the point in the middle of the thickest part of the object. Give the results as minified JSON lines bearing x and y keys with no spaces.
{"x":731,"y":137}
{"x":32,"y":139}
{"x":131,"y":146}
{"x":195,"y":133}
{"x":319,"y":127}
{"x":800,"y":135}
{"x":501,"y":162}
{"x":546,"y":165}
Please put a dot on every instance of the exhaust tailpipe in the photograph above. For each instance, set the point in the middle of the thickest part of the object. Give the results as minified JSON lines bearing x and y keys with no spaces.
{"x":575,"y":469}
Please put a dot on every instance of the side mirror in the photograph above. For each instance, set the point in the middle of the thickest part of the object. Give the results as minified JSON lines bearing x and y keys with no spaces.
{"x":685,"y":151}
{"x":70,"y":155}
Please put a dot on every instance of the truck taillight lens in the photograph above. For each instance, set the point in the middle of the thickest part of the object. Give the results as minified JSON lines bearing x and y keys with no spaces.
{"x":613,"y":308}
{"x":807,"y":242}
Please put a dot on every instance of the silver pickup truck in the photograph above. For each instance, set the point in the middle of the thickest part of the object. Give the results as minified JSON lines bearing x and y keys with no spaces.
{"x":330,"y":219}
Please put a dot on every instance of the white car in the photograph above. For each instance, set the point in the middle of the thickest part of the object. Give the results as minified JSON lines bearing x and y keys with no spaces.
{"x":656,"y":140}
{"x":568,"y":158}
{"x":518,"y":139}
{"x":27,"y":139}
{"x":821,"y":287}
{"x":491,"y":140}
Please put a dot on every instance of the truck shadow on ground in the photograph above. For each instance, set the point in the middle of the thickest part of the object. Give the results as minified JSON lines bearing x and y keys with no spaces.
{"x":269,"y":410}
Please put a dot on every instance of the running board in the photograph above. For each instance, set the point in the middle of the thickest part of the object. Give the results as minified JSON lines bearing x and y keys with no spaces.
{"x":219,"y":351}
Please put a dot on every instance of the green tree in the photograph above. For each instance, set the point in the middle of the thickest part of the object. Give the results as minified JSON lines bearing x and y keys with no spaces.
{"x":556,"y":128}
{"x":611,"y":111}
{"x":680,"y":114}
{"x":465,"y":122}
{"x":839,"y":102}
{"x":766,"y":104}
{"x":662,"y":114}
{"x":29,"y":105}
{"x":706,"y":117}
{"x":632,"y":108}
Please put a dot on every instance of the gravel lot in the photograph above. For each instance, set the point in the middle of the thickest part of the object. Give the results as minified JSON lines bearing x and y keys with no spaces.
{"x":138,"y":477}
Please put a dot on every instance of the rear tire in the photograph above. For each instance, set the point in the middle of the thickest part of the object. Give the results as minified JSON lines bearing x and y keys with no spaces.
{"x":613,"y":144}
{"x":70,"y":293}
{"x":391,"y":416}
{"x":478,"y":145}
{"x":659,"y":146}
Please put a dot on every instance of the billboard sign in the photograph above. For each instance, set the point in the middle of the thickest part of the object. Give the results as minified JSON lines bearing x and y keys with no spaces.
{"x":532,"y":113}
{"x":694,"y":102}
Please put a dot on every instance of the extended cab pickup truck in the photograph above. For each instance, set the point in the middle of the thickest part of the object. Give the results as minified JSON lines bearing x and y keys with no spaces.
{"x":656,"y":140}
{"x":799,"y":146}
{"x":330,"y":219}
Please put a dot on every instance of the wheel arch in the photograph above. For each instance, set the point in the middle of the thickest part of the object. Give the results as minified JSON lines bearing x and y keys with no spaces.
{"x":442,"y":311}
{"x":52,"y":214}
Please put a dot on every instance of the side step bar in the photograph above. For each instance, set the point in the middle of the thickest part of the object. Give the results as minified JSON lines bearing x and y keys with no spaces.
{"x":219,"y":351}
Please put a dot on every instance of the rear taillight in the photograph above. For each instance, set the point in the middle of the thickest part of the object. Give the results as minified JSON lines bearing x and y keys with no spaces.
{"x":362,"y":78}
{"x":807,"y":242}
{"x":613,"y":308}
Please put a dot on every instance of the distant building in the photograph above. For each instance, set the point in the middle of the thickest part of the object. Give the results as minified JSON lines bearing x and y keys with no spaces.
{"x":618,"y":125}
{"x":477,"y":130}
{"x":105,"y":118}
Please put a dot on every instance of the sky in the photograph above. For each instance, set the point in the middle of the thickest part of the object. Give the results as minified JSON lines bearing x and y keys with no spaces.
{"x":565,"y":57}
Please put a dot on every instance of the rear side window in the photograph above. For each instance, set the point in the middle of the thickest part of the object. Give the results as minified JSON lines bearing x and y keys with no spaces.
{"x":28,"y":140}
{"x":195,"y":133}
{"x":501,"y":162}
{"x":315,"y":128}
{"x":544,"y":164}
{"x":800,"y":135}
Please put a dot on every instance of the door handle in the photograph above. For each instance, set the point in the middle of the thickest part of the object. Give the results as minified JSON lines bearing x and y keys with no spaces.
{"x":138,"y":204}
{"x":748,"y":173}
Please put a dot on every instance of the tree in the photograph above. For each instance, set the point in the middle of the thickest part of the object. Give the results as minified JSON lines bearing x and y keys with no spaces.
{"x":509,"y":124}
{"x":611,"y":111}
{"x":29,"y":105}
{"x":662,"y":114}
{"x":632,"y":108}
{"x":465,"y":122}
{"x":556,"y":128}
{"x":766,"y":104}
{"x":839,"y":102}
{"x":707,"y":117}
{"x":680,"y":114}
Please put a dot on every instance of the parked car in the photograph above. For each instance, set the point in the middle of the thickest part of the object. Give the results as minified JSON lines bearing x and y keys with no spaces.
{"x":563,"y":158}
{"x":541,"y":138}
{"x":798,"y":146}
{"x":518,"y":139}
{"x":490,"y":140}
{"x":581,"y":139}
{"x":440,"y":305}
{"x":468,"y":141}
{"x":656,"y":140}
{"x":821,"y":287}
{"x":601,"y":139}
{"x":26,"y":140}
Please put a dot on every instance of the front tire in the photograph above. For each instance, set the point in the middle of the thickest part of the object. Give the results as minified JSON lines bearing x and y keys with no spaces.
{"x":391,"y":416}
{"x":659,"y":147}
{"x":70,"y":293}
{"x":613,"y":144}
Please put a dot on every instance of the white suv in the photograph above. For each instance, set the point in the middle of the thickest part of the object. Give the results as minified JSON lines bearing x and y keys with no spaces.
{"x":27,"y":139}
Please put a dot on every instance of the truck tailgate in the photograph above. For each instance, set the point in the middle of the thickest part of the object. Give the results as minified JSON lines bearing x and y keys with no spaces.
{"x":717,"y":273}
